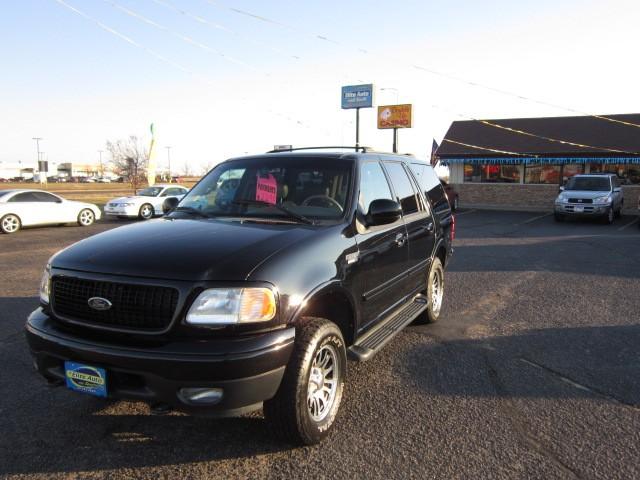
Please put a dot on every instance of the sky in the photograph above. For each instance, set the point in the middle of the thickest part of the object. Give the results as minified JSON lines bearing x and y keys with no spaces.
{"x":218,"y":82}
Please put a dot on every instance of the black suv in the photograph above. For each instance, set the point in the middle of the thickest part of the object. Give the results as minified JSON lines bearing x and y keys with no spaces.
{"x":251,"y":295}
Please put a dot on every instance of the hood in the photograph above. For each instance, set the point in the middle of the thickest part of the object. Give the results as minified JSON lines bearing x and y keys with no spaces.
{"x":125,"y":199}
{"x":585,"y":194}
{"x":181,"y":249}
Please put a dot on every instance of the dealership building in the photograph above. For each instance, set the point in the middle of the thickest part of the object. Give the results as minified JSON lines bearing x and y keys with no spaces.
{"x":520,"y":163}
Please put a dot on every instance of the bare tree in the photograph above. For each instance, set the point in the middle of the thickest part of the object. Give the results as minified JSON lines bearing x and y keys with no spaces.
{"x":129,"y":158}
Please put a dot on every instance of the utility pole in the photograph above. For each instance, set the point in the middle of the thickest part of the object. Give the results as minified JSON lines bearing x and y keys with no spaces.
{"x":100,"y":166}
{"x":169,"y":161}
{"x":37,"y":139}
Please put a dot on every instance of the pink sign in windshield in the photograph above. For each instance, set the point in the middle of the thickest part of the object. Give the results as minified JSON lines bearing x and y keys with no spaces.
{"x":267,"y":189}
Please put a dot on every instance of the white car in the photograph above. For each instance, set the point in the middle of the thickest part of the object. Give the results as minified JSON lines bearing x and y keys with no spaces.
{"x":147,"y":203}
{"x":26,"y":208}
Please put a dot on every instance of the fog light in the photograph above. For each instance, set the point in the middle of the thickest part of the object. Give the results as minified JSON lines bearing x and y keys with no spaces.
{"x":201,"y":396}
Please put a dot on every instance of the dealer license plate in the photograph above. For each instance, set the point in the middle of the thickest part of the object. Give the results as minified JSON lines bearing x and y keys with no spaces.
{"x":578,"y":209}
{"x":86,"y":379}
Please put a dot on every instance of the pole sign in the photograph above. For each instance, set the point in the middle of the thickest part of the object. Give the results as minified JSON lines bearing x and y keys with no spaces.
{"x":394,"y":116}
{"x":357,"y":96}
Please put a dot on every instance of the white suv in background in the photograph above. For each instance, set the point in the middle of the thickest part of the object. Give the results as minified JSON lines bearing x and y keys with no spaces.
{"x":590,"y":195}
{"x":146,"y":204}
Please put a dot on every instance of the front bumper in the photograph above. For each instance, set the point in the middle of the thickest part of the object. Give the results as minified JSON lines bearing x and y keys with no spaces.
{"x":121,"y":211}
{"x":584,"y":209}
{"x":248,"y":369}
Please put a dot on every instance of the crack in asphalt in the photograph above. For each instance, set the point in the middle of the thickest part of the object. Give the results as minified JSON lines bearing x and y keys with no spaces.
{"x":578,"y":385}
{"x":515,"y":417}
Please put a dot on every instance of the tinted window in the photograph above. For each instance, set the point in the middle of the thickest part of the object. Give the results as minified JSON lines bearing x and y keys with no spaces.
{"x":402,"y":186}
{"x":373,"y":185}
{"x":24,"y":197}
{"x":433,"y":189}
{"x":45,"y":197}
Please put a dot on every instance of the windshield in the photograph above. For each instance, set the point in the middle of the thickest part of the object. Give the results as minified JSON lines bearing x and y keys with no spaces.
{"x":294,"y":188}
{"x":593,"y":184}
{"x":150,"y":192}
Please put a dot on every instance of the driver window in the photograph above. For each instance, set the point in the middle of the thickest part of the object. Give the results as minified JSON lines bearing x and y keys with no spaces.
{"x":373,"y":185}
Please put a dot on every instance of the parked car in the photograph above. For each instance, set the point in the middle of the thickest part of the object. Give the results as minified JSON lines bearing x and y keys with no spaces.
{"x":103,"y":180}
{"x":590,"y":195}
{"x":222,"y":309}
{"x":26,"y":208}
{"x":146,"y":204}
{"x":452,"y":195}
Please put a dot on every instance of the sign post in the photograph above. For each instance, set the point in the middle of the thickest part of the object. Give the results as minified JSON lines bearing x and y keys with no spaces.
{"x":395,"y":117}
{"x":357,"y":96}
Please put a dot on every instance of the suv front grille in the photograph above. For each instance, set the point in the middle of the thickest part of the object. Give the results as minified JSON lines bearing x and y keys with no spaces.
{"x":580,"y":200}
{"x":141,"y":307}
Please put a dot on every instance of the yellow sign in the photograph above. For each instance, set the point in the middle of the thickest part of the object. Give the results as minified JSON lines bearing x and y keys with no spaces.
{"x":394,"y":116}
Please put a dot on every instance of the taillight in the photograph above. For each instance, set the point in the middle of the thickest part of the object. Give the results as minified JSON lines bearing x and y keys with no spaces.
{"x":452,"y":231}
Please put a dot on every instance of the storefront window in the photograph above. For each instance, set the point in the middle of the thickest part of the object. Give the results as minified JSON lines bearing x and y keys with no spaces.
{"x":542,"y":174}
{"x":570,"y":170}
{"x":628,"y":173}
{"x":488,"y":173}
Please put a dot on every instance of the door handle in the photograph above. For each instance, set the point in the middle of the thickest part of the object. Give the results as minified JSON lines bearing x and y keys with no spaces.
{"x":430,"y":227}
{"x":400,"y":239}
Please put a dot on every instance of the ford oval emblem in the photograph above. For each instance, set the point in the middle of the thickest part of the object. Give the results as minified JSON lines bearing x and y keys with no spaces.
{"x":99,"y":303}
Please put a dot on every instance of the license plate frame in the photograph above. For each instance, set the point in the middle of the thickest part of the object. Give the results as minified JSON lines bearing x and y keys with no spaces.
{"x":578,"y":209}
{"x":87,"y":379}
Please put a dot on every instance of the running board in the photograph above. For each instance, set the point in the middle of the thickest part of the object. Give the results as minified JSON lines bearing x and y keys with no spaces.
{"x":373,"y":341}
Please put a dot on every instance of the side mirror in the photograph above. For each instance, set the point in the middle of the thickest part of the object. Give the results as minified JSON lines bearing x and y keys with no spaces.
{"x":562,"y":189}
{"x":617,"y":189}
{"x":383,"y":211}
{"x":169,"y":204}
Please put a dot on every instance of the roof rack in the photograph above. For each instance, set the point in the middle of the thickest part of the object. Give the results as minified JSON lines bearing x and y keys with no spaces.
{"x":348,"y":147}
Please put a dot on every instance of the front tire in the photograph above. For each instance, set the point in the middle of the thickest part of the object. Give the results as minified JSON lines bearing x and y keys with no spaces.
{"x":305,"y":406}
{"x":146,"y":211}
{"x":434,"y":292}
{"x":86,"y":217}
{"x":610,"y":216}
{"x":10,"y":223}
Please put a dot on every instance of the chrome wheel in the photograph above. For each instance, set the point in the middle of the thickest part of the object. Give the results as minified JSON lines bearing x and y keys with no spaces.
{"x":437,"y":291}
{"x":10,"y":224}
{"x":86,"y":218}
{"x":323,"y":383}
{"x":146,"y":211}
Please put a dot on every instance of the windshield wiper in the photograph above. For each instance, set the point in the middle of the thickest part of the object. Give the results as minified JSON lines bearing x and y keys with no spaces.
{"x":282,"y":208}
{"x":193,"y":211}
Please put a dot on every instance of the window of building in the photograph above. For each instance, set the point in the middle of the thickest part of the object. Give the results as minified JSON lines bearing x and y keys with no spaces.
{"x":570,"y":170}
{"x":489,"y":173}
{"x":628,"y":173}
{"x":542,"y":174}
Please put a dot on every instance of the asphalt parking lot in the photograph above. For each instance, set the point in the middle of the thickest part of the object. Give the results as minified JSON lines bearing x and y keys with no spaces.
{"x":532,"y":372}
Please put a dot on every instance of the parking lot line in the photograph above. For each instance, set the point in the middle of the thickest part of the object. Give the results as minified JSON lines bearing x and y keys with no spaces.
{"x":464,"y":213}
{"x":632,"y":222}
{"x":535,"y":218}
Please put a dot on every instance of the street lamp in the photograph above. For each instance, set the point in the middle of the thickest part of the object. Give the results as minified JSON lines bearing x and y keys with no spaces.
{"x":169,"y":161}
{"x":395,"y":90}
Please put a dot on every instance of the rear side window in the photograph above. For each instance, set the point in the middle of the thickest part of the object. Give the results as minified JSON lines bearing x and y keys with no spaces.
{"x":373,"y":185}
{"x":432,"y":186}
{"x":45,"y":197}
{"x":403,"y":187}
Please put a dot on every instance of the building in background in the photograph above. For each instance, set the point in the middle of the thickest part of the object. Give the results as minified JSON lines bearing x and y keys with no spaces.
{"x":499,"y":164}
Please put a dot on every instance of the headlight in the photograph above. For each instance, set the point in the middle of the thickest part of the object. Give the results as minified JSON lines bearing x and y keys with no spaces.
{"x":563,"y":199}
{"x":605,"y":199}
{"x":45,"y":284}
{"x":221,"y":306}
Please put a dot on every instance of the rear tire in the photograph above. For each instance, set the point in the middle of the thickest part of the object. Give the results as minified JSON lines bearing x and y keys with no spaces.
{"x":10,"y":223}
{"x":306,"y":404}
{"x":434,"y":292}
{"x":146,"y":211}
{"x":86,"y":217}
